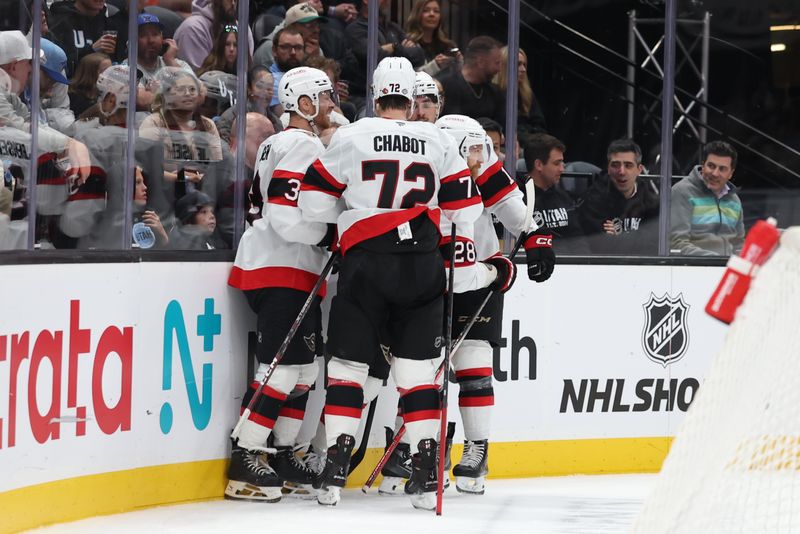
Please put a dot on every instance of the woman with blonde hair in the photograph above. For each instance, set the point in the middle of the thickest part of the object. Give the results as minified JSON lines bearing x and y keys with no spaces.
{"x":424,"y":28}
{"x":530,"y":119}
{"x":82,"y":87}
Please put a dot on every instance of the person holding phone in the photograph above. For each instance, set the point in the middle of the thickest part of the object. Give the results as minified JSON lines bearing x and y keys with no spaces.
{"x":424,"y":28}
{"x":81,"y":27}
{"x":154,"y":53}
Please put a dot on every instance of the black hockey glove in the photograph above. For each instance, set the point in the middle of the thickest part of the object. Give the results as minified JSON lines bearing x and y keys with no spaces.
{"x":540,"y":256}
{"x":330,"y":241}
{"x":506,"y":273}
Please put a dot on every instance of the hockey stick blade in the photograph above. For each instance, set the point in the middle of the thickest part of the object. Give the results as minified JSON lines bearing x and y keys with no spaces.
{"x":358,"y":456}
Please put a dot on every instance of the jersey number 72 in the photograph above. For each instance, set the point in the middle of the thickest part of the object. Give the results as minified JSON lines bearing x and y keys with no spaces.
{"x":389,"y":172}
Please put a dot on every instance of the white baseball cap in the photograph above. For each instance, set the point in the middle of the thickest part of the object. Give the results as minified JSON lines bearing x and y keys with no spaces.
{"x":14,"y":47}
{"x":302,"y":13}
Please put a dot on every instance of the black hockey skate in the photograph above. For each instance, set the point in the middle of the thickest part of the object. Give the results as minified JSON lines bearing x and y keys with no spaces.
{"x":422,"y":485}
{"x":297,"y":476}
{"x":334,"y":476}
{"x":251,"y":478}
{"x":451,"y":430}
{"x":397,"y":469}
{"x":471,"y":471}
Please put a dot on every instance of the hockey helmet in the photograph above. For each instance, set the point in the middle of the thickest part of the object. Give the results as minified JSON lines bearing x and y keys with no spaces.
{"x":303,"y":81}
{"x":425,"y":85}
{"x":467,"y":133}
{"x":113,"y":80}
{"x":426,"y":94}
{"x":394,"y":76}
{"x":220,"y":86}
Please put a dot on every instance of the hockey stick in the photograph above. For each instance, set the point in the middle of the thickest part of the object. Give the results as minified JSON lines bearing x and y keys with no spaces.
{"x":530,"y":193}
{"x":448,"y":339}
{"x":285,"y":345}
{"x":362,"y":449}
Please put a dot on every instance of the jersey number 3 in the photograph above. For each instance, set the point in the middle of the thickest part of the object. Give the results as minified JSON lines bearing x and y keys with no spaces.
{"x":389,"y":172}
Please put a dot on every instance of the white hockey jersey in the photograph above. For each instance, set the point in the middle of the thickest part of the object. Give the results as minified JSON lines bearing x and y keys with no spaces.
{"x":388,"y":172}
{"x":279,"y":250}
{"x":478,"y":241}
{"x":57,"y":193}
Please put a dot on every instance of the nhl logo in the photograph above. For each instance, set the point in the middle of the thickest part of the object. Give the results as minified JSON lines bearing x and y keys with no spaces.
{"x":665,"y":337}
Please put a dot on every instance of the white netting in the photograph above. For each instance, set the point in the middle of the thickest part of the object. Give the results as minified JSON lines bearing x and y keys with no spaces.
{"x":735,"y":464}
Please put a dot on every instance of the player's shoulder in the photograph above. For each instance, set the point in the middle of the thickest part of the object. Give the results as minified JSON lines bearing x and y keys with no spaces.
{"x":293,"y":140}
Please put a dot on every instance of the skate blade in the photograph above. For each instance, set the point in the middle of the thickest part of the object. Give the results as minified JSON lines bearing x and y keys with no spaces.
{"x":471,"y":486}
{"x":242,"y":491}
{"x":329,"y":496}
{"x":392,"y":486}
{"x":298,"y":491}
{"x":424,"y":501}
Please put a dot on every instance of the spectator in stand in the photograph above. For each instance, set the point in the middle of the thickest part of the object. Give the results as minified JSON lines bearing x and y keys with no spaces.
{"x":15,"y":60}
{"x":340,"y":93}
{"x":321,"y":39}
{"x":197,"y":223}
{"x":424,"y":27}
{"x":706,"y":213}
{"x":82,"y":86}
{"x":53,"y":89}
{"x":81,"y":27}
{"x":260,"y":86}
{"x":154,"y":53}
{"x":495,"y":132}
{"x":223,"y":55}
{"x":190,"y":140}
{"x":258,"y":129}
{"x":530,"y":119}
{"x":619,"y":213}
{"x":554,"y":209}
{"x":289,"y":52}
{"x":469,"y":89}
{"x":391,"y":40}
{"x":195,"y":36}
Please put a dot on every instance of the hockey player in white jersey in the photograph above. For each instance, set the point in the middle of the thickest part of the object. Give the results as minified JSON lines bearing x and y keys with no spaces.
{"x":474,"y":360}
{"x":277,"y":263}
{"x":386,"y":182}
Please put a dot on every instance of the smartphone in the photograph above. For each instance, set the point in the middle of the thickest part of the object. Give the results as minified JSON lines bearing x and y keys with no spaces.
{"x":452,"y":52}
{"x":164,"y":49}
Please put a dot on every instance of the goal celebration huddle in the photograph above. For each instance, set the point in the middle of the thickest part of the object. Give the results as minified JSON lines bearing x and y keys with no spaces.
{"x":402,"y":206}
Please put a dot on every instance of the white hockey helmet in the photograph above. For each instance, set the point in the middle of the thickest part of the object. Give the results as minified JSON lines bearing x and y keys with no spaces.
{"x":467,"y":133}
{"x":425,"y":85}
{"x":113,"y":80}
{"x":302,"y":81}
{"x":394,"y":76}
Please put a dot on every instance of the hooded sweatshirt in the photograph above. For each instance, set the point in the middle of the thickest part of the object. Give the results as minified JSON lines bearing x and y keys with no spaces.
{"x":75,"y":33}
{"x":701,"y":223}
{"x":193,"y":36}
{"x":635,"y":219}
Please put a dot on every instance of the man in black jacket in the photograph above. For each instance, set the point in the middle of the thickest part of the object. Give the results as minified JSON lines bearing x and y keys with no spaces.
{"x":469,"y":90}
{"x":619,"y":214}
{"x":554,"y":210}
{"x":392,"y":42}
{"x":81,"y":27}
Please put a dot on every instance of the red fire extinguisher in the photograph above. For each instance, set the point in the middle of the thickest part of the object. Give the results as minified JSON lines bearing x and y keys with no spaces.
{"x":759,"y":244}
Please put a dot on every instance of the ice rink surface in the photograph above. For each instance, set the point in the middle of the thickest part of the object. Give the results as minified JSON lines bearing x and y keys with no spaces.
{"x":576,"y":504}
